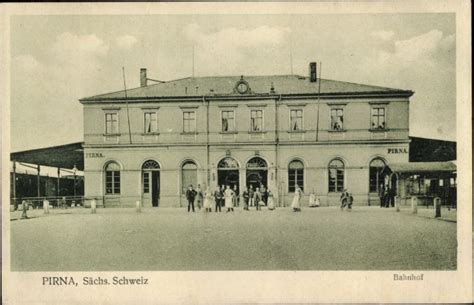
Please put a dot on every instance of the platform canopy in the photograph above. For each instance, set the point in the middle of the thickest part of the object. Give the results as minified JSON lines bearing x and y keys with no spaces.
{"x":65,"y":156}
{"x":418,"y":168}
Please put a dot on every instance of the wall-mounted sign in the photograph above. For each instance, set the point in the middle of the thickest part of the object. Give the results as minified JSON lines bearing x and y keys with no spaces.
{"x":397,"y":151}
{"x":94,"y":155}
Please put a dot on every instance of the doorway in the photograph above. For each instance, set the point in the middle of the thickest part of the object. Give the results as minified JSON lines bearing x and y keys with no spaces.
{"x":151,"y":183}
{"x":257,"y":172}
{"x":228,"y":173}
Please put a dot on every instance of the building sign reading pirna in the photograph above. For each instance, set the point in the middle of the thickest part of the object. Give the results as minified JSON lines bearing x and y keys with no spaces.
{"x":397,"y":151}
{"x":94,"y":155}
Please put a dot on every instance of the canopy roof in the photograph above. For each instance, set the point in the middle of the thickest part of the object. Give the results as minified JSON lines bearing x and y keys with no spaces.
{"x":63,"y":156}
{"x":423,"y":167}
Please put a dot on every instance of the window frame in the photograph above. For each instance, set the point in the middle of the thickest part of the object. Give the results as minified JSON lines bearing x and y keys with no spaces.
{"x":291,"y":186}
{"x":107,"y":113}
{"x":384,"y":117}
{"x":337,"y":186}
{"x":262,"y":120}
{"x":290,"y":119}
{"x":194,"y":119}
{"x":331,"y":127}
{"x":377,"y":186}
{"x":155,"y":129}
{"x":115,"y":180}
{"x":233,"y":129}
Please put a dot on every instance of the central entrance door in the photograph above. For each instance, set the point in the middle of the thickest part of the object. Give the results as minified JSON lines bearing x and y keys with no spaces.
{"x":151,"y":183}
{"x":228,"y":173}
{"x":257,"y":172}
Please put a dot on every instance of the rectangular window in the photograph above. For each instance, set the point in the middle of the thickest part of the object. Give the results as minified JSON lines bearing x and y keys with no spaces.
{"x":228,"y":123}
{"x":295,"y":177}
{"x":337,"y":119}
{"x":111,"y":123}
{"x":189,"y":121}
{"x":256,"y":120}
{"x":296,"y":119}
{"x":150,"y":122}
{"x":112,"y":182}
{"x":378,"y":118}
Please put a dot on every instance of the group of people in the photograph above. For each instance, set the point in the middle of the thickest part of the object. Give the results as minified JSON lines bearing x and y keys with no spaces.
{"x":229,"y":198}
{"x":346,"y":200}
{"x":387,"y":196}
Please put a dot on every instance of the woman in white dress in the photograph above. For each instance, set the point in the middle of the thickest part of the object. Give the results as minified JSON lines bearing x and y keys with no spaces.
{"x":296,"y":199}
{"x":229,"y":199}
{"x":313,"y":200}
{"x":208,"y":200}
{"x":270,"y":202}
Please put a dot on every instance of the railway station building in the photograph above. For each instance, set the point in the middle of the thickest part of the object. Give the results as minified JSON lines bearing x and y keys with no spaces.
{"x":150,"y":143}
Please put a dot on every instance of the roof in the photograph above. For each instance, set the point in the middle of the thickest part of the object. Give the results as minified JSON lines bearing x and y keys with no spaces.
{"x":63,"y":156}
{"x":259,"y":85}
{"x":422,"y":167}
{"x":428,"y":150}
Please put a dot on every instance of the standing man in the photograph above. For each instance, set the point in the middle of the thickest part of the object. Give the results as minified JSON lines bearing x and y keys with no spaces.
{"x":381,"y":194}
{"x":257,"y":197}
{"x":190,"y":195}
{"x":264,"y":194}
{"x":218,"y":195}
{"x":251,"y":192}
{"x":199,"y":196}
{"x":245,"y":196}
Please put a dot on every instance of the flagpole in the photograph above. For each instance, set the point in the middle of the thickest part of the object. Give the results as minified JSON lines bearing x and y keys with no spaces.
{"x":126,"y":103}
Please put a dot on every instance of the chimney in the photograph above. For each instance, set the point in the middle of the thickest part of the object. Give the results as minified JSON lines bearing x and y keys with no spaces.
{"x":143,"y":78}
{"x":312,"y":72}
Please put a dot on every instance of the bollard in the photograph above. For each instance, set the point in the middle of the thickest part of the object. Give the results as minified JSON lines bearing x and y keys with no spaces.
{"x":46,"y":206}
{"x":93,"y":206}
{"x":414,"y":205}
{"x":437,"y":206}
{"x":23,"y":207}
{"x":397,"y":204}
{"x":137,"y":206}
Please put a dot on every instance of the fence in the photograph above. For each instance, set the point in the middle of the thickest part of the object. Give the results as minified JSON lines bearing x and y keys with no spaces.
{"x":54,"y":201}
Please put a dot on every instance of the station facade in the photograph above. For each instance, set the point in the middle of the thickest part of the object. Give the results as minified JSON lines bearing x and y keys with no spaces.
{"x":150,"y":143}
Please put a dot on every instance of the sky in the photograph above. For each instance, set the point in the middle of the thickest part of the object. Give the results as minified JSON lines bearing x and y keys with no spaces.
{"x":56,"y":60}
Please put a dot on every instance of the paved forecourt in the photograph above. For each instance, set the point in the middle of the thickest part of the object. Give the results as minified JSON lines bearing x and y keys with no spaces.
{"x":367,"y":238}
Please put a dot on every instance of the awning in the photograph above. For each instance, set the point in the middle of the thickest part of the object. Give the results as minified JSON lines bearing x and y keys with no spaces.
{"x":415,"y":168}
{"x":63,"y":156}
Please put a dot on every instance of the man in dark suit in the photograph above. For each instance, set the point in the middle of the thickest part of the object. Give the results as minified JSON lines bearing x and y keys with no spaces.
{"x":218,"y":197}
{"x":190,"y":195}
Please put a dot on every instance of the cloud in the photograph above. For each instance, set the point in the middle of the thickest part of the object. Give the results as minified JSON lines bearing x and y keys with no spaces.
{"x":126,"y":42}
{"x":383,"y":35}
{"x":26,"y":62}
{"x":229,"y":49}
{"x":68,"y":46}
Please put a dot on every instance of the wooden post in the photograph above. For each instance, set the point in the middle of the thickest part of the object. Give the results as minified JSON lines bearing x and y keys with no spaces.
{"x":38,"y":179}
{"x":414,"y":205}
{"x":93,"y":206}
{"x":59,"y":178}
{"x":437,"y":206}
{"x":137,"y":206}
{"x":14,"y":184}
{"x":46,"y":206}
{"x":397,"y":203}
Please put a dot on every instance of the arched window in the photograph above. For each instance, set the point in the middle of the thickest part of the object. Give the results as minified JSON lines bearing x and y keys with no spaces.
{"x":189,"y":175}
{"x":257,"y":162}
{"x":112,"y":179}
{"x":336,"y":176}
{"x":376,"y":179}
{"x":295,"y":175}
{"x":228,"y":163}
{"x":150,"y":165}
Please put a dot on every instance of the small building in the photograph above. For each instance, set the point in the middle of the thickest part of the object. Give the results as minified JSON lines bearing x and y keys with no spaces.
{"x":151,"y":142}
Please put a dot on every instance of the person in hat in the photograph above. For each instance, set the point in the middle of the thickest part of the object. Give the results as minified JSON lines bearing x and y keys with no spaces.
{"x":295,"y":204}
{"x":190,"y":196}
